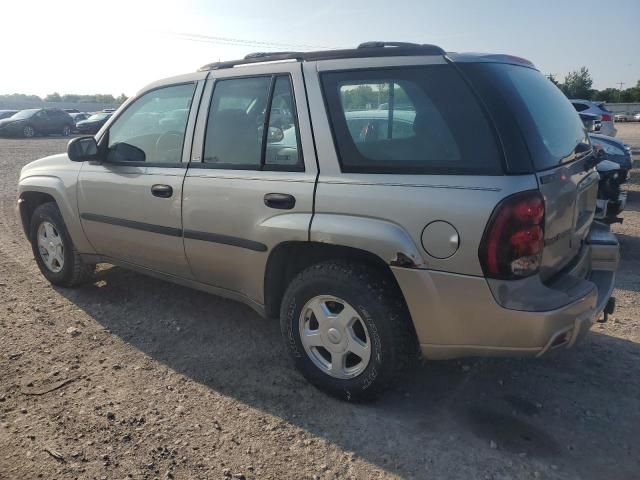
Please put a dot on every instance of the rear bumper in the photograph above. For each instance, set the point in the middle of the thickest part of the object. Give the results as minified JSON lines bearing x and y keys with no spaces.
{"x":459,"y":315}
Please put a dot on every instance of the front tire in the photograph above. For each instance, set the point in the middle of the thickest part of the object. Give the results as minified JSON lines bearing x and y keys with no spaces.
{"x":53,"y":250}
{"x":347,"y":329}
{"x":28,"y":131}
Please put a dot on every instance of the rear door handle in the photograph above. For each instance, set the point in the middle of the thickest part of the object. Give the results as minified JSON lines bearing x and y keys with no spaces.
{"x":281,"y":201}
{"x":162,"y":191}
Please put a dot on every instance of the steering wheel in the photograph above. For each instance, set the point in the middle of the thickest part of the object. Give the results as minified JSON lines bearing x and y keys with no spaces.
{"x":168,"y":144}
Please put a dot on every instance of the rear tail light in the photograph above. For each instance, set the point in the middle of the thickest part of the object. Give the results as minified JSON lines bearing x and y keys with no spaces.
{"x":606,"y":117}
{"x":513,"y":240}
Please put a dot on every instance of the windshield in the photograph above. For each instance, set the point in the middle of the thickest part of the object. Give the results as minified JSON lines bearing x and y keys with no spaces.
{"x":552,"y":130}
{"x":98,"y":116}
{"x":25,"y":113}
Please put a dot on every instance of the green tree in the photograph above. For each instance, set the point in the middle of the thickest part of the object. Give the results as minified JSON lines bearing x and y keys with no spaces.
{"x":70,"y":97}
{"x":606,"y":95}
{"x":52,"y":97}
{"x":360,"y":98}
{"x":19,"y":97}
{"x":630,"y":95}
{"x":104,"y":98}
{"x":120,"y":99}
{"x":554,"y":80}
{"x":577,"y":84}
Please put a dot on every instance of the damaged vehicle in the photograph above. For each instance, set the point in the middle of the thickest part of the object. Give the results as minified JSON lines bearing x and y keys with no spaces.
{"x":413,"y":202}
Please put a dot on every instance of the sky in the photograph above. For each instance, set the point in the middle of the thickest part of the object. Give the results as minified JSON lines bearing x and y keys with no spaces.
{"x":118,"y":46}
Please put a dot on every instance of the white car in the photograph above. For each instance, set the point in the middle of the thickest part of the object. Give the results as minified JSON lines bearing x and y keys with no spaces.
{"x":623,"y":117}
{"x":636,"y":117}
{"x":587,"y":106}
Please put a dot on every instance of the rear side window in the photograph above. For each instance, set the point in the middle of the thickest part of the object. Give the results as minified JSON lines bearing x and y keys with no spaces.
{"x":252,"y":125}
{"x":580,"y":107}
{"x":409,"y":120}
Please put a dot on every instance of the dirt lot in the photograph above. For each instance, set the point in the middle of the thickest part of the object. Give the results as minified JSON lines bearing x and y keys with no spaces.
{"x":165,"y":382}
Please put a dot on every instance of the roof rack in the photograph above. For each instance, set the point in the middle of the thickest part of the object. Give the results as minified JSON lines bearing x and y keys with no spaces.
{"x":367,"y":49}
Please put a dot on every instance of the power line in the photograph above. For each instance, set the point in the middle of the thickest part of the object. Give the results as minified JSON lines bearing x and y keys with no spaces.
{"x":194,"y":37}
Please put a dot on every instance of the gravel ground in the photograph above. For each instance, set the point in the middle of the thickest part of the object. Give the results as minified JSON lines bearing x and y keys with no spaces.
{"x":158,"y":381}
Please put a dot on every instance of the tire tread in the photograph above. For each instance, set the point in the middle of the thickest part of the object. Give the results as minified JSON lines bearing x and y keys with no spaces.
{"x":403,"y":341}
{"x":80,"y":271}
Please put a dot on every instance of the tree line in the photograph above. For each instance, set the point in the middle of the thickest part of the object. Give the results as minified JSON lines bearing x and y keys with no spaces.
{"x":578,"y":84}
{"x":67,"y":97}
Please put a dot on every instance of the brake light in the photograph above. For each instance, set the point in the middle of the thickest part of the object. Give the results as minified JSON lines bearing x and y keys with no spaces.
{"x":606,"y":117}
{"x":513,"y":239}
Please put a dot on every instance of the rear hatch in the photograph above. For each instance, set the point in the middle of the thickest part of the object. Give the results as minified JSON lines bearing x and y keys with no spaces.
{"x":543,"y":134}
{"x":570,"y":193}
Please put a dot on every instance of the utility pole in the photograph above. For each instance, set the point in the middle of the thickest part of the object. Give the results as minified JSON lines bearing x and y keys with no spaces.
{"x":619,"y":90}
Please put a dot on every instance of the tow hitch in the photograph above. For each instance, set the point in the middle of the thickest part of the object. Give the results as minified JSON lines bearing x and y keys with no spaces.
{"x":608,"y":309}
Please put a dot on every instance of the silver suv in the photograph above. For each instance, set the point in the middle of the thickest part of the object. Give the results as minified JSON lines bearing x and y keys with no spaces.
{"x":412,"y":201}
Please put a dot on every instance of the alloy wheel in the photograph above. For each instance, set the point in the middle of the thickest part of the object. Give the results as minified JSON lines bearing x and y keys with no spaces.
{"x":335,"y":337}
{"x":51,"y":246}
{"x":28,"y":131}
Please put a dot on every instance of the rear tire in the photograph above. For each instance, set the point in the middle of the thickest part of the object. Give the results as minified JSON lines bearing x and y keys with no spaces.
{"x":53,"y":250}
{"x":379,"y":319}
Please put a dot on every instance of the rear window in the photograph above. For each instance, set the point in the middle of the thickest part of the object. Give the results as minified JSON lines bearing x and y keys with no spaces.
{"x":603,"y":107}
{"x":409,"y":120}
{"x":549,"y":123}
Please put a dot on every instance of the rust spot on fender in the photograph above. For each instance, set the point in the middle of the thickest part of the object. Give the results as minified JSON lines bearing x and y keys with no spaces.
{"x":403,"y":260}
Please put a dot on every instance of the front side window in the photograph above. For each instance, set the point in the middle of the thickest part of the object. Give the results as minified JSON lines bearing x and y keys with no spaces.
{"x":149,"y":129}
{"x":405,"y":120}
{"x":251,"y":125}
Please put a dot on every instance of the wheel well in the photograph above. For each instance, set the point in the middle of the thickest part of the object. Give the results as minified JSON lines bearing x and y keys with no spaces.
{"x":289,"y":258}
{"x":29,"y":201}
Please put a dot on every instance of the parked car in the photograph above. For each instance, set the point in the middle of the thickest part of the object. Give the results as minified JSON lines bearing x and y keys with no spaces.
{"x":593,"y":123}
{"x":71,"y":110}
{"x":611,"y":199}
{"x":369,"y":248}
{"x":616,"y":150}
{"x":7,"y":113}
{"x":587,"y":106}
{"x":93,"y":123}
{"x":108,"y":110}
{"x":636,"y":117}
{"x":78,"y":117}
{"x":37,"y":121}
{"x":623,"y":117}
{"x":173,"y":117}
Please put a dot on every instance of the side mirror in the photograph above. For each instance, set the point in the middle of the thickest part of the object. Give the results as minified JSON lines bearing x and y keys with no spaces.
{"x":82,"y":149}
{"x":275,"y":135}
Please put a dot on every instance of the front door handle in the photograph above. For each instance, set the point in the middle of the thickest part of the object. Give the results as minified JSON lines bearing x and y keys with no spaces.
{"x":281,"y":201}
{"x":162,"y":191}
